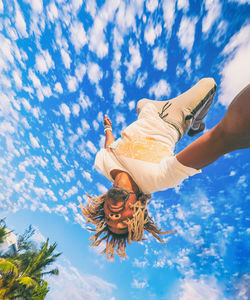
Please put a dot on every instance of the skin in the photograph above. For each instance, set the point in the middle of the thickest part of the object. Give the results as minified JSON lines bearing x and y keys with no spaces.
{"x":231,"y":133}
{"x":116,"y":215}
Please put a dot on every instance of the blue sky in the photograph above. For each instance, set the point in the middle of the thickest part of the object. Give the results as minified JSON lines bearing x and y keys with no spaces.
{"x":63,"y":65}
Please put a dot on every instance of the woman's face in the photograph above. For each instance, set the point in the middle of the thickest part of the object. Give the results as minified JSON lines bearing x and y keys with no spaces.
{"x":117,"y":212}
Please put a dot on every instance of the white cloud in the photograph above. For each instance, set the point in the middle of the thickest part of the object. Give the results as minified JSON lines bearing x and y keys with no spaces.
{"x":197,"y":61}
{"x":26,"y":104}
{"x":135,"y":61}
{"x":203,"y":206}
{"x":151,"y":5}
{"x":34,"y":141}
{"x":141,"y":79}
{"x":6,"y":127}
{"x":101,"y":141}
{"x":95,"y":125}
{"x":76,"y":109}
{"x":64,"y":109}
{"x":91,"y":7}
{"x":87,"y":176}
{"x":85,"y":125}
{"x":169,"y":15}
{"x":126,"y":15}
{"x":77,"y":36}
{"x":202,"y":289}
{"x":213,"y":14}
{"x":131,"y":105}
{"x":241,"y":1}
{"x":1,"y":6}
{"x":72,"y":83}
{"x":91,"y":147}
{"x":6,"y":51}
{"x":61,"y":210}
{"x":58,"y":88}
{"x":46,"y":91}
{"x":236,"y":70}
{"x":100,"y":116}
{"x":120,"y":119}
{"x":101,"y":188}
{"x":186,"y":33}
{"x":71,"y":192}
{"x":65,"y":58}
{"x":160,"y":262}
{"x":237,"y":40}
{"x":220,"y":33}
{"x":94,"y":72}
{"x":71,"y":284}
{"x":140,"y":264}
{"x":160,"y":59}
{"x":151,"y":33}
{"x":183,"y":4}
{"x":43,"y":177}
{"x":69,"y":175}
{"x":44,"y":62}
{"x":97,"y":39}
{"x":35,"y":80}
{"x":76,"y":5}
{"x":117,"y":88}
{"x":80,"y":71}
{"x":17,"y":76}
{"x":242,"y":288}
{"x":161,"y":88}
{"x":44,"y":207}
{"x":84,"y":101}
{"x":36,"y":5}
{"x":52,"y":12}
{"x":59,"y":135}
{"x":56,"y":163}
{"x":139,"y":284}
{"x":20,"y":22}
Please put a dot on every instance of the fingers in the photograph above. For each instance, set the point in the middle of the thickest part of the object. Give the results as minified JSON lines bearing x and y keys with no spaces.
{"x":107,"y":120}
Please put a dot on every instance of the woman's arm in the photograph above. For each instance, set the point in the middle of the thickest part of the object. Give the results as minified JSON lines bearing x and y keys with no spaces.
{"x":108,"y":132}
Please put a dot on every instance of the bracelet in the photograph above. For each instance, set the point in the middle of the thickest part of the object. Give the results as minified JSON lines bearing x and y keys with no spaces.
{"x":108,"y":128}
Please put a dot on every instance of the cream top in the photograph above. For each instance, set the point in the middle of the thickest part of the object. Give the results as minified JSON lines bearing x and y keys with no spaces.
{"x":145,"y":152}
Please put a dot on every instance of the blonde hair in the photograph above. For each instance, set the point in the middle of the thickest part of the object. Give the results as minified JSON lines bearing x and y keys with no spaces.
{"x":94,"y":214}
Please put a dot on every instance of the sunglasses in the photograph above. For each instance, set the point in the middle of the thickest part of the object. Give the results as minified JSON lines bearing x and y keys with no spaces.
{"x":117,"y":193}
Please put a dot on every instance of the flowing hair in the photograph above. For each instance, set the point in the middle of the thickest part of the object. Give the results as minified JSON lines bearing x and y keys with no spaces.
{"x":94,"y":214}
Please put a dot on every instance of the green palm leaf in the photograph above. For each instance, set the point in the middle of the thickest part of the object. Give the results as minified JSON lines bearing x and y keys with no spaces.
{"x":27,"y":281}
{"x":2,"y":234}
{"x":6,"y":267}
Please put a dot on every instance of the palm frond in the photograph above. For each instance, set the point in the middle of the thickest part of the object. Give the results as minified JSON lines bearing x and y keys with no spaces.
{"x":27,"y":281}
{"x":7,"y":267}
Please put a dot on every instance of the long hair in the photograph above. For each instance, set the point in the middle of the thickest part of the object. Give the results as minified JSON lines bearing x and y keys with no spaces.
{"x":94,"y":214}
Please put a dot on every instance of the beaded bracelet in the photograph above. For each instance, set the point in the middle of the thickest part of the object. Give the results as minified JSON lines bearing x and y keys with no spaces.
{"x":108,"y":128}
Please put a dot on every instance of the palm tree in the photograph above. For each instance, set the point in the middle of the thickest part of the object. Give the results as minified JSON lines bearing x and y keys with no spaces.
{"x":21,"y":273}
{"x":3,"y":232}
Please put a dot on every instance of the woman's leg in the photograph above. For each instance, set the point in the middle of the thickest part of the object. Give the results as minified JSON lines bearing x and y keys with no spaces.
{"x":181,"y":111}
{"x":231,"y":133}
{"x":236,"y":122}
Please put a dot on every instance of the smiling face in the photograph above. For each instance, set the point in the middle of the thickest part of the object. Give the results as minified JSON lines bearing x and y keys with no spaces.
{"x":117,"y":211}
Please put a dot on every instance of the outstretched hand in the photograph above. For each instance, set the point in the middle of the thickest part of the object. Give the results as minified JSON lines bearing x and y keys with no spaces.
{"x":107,"y":121}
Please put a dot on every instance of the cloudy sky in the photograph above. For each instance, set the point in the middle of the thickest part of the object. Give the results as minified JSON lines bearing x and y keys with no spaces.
{"x":63,"y":65}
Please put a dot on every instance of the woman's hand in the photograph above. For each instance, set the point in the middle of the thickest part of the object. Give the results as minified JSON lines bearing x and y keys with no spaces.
{"x":108,"y":131}
{"x":107,"y":121}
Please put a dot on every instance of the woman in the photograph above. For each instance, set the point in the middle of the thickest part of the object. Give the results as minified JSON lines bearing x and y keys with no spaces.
{"x":143,"y":161}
